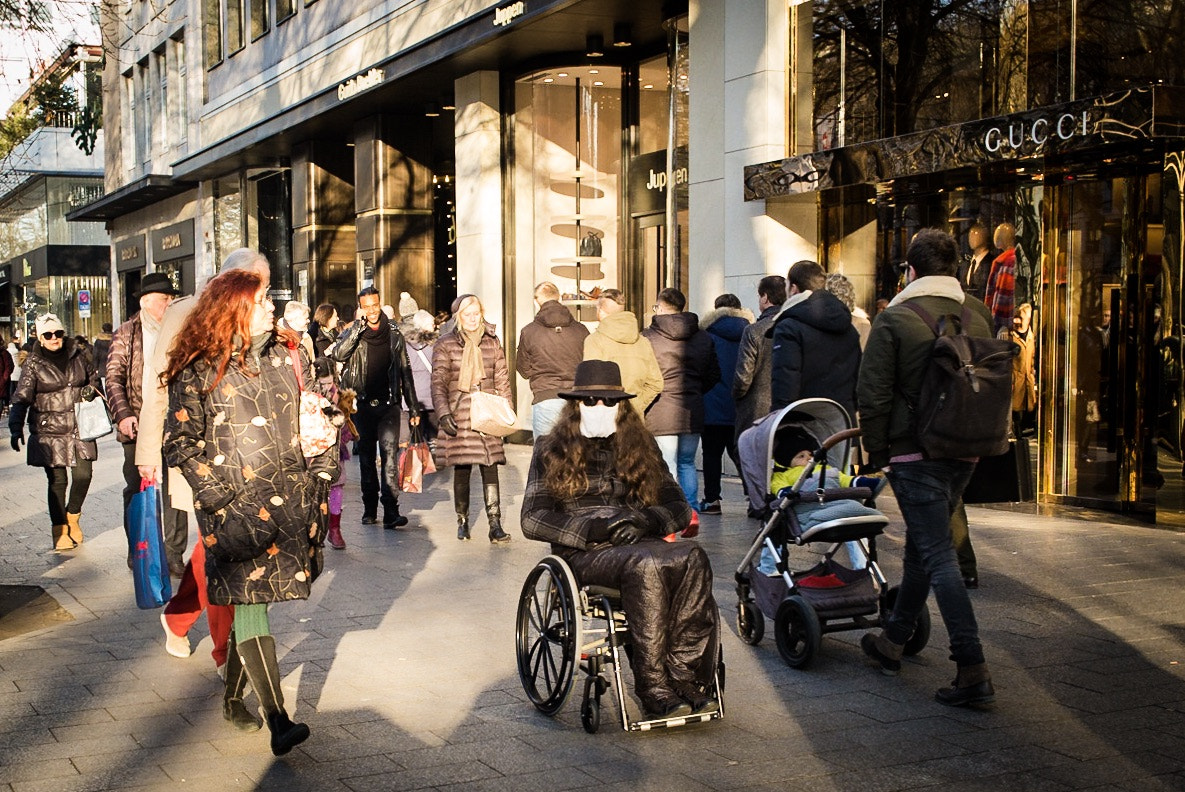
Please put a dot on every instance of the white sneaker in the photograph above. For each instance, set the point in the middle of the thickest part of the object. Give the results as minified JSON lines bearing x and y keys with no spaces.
{"x":176,"y":645}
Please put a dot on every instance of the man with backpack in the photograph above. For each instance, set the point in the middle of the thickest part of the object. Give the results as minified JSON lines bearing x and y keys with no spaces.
{"x":903,"y":434}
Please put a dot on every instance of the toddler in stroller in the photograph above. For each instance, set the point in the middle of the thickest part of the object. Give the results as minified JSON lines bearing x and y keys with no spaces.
{"x":805,"y":451}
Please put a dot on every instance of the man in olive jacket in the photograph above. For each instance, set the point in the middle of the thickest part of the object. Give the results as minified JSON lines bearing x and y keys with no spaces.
{"x":891,"y":373}
{"x":549,"y":350}
{"x":377,"y":369}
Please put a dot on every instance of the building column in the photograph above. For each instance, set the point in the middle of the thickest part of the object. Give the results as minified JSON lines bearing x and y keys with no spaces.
{"x":478,"y":122}
{"x":323,"y":250}
{"x":393,"y":204}
{"x":739,"y":53}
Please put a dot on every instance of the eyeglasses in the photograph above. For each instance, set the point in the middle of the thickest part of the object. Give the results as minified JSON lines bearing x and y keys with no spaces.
{"x":53,"y":334}
{"x":608,"y":401}
{"x":654,"y":308}
{"x":264,"y":300}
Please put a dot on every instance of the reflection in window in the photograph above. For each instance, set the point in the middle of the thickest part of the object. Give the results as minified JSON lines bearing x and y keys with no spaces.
{"x":234,"y":26}
{"x":891,"y":67}
{"x":259,"y":20}
{"x":228,"y":217}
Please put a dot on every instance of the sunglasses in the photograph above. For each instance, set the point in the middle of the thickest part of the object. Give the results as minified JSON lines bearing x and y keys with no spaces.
{"x":593,"y":401}
{"x":53,"y":334}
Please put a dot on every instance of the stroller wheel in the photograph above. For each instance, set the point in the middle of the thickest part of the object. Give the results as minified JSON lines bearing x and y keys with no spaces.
{"x":797,"y":631}
{"x":750,"y":623}
{"x":921,"y":631}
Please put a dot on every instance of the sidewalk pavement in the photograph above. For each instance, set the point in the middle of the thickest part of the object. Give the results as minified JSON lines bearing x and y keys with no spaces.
{"x":403,"y":665}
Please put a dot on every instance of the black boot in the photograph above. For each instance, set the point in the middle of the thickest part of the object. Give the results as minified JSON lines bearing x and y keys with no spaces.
{"x":461,"y":504}
{"x":392,"y":519}
{"x":233,"y":708}
{"x":258,"y":656}
{"x":494,"y":514}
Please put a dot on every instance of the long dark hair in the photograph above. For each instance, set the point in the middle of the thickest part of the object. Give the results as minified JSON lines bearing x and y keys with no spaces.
{"x":636,"y":459}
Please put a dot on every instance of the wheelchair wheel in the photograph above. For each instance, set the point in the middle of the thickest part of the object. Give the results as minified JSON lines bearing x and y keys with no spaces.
{"x":590,"y":706}
{"x":797,"y":631}
{"x":750,"y":623}
{"x":921,"y":631}
{"x":548,"y":634}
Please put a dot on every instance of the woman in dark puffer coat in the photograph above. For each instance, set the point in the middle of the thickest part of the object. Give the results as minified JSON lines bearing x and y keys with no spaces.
{"x":233,"y":430}
{"x":467,"y":358}
{"x":56,"y":374}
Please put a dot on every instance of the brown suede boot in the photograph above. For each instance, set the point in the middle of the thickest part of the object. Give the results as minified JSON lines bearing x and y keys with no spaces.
{"x":75,"y":529}
{"x":972,"y":685}
{"x":884,"y":651}
{"x":61,"y":538}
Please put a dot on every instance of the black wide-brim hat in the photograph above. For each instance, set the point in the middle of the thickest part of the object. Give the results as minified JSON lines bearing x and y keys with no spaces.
{"x":597,"y":379}
{"x":156,"y":283}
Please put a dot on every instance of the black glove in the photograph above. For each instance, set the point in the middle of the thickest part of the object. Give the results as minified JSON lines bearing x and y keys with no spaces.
{"x":18,"y":437}
{"x":448,"y":425}
{"x":626,"y":532}
{"x":599,"y":531}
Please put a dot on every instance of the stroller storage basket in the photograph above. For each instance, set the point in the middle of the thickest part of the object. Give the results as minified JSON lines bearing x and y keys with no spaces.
{"x":842,"y":592}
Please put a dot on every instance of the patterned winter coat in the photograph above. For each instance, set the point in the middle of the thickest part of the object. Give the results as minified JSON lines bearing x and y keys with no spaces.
{"x":46,"y":396}
{"x":257,"y":499}
{"x":468,"y":447}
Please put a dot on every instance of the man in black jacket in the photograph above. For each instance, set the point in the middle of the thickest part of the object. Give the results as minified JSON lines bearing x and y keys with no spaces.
{"x":377,"y":369}
{"x":549,"y":349}
{"x":751,"y":386}
{"x":816,"y":350}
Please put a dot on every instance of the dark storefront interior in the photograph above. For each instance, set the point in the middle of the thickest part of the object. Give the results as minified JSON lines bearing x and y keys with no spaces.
{"x":1062,"y":119}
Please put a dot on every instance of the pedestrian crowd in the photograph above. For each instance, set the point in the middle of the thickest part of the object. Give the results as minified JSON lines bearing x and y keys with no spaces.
{"x":208,"y":396}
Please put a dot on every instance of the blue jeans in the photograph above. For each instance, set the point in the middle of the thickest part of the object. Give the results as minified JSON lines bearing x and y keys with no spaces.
{"x":678,"y":451}
{"x":544,"y":414}
{"x":927,"y":492}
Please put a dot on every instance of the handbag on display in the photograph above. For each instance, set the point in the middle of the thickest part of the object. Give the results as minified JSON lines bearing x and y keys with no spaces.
{"x":590,"y":245}
{"x":491,"y":414}
{"x":92,"y":419}
{"x":150,"y":569}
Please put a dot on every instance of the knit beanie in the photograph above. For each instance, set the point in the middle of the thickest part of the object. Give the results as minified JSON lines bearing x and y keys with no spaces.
{"x":407,"y":305}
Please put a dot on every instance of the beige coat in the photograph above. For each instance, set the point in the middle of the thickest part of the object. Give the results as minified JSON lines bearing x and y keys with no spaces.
{"x":617,"y":338}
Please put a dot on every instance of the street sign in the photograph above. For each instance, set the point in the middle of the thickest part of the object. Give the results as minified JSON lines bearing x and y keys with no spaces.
{"x":84,"y":303}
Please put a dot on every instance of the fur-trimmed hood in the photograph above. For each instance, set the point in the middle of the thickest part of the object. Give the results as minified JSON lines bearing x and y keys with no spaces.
{"x":716,"y":314}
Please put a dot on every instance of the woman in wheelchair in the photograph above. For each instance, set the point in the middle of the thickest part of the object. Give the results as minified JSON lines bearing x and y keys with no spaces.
{"x":600,"y":493}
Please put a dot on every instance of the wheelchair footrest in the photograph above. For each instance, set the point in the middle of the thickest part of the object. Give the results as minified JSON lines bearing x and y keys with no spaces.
{"x":668,"y":723}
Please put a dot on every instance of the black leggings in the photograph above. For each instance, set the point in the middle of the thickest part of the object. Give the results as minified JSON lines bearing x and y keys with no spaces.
{"x":79,"y":484}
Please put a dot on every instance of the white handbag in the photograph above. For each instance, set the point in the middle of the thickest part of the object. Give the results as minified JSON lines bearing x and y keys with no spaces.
{"x":491,"y":414}
{"x":92,"y":419}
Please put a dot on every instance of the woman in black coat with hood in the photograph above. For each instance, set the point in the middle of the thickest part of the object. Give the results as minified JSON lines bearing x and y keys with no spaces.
{"x":56,"y":375}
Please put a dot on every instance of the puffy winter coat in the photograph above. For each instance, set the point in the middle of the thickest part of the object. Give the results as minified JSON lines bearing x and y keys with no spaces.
{"x":238,"y":446}
{"x":46,"y":396}
{"x":816,"y":353}
{"x":125,"y":373}
{"x":687,"y":358}
{"x":468,"y":447}
{"x":549,"y":349}
{"x":726,"y":326}
{"x":617,"y":339}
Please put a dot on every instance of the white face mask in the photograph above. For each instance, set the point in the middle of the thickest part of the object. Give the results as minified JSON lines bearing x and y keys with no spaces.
{"x":599,"y":421}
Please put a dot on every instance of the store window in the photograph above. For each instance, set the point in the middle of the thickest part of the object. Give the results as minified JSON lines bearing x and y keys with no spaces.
{"x":228,"y":217}
{"x":567,"y":180}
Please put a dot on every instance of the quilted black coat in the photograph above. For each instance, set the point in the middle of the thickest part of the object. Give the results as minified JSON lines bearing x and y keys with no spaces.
{"x":46,"y":396}
{"x":257,"y":497}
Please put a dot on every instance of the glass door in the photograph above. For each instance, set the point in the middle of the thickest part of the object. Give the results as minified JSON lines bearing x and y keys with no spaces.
{"x":1086,"y":452}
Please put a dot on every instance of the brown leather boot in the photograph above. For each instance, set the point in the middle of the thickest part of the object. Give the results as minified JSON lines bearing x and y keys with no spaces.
{"x":972,"y":685}
{"x":61,"y":538}
{"x":75,"y":529}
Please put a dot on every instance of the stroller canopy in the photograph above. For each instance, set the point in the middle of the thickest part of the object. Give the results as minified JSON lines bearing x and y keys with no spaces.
{"x":803,"y":424}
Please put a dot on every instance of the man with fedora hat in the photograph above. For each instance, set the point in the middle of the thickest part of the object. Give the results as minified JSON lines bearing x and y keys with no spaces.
{"x":134,"y":342}
{"x":599,"y":491}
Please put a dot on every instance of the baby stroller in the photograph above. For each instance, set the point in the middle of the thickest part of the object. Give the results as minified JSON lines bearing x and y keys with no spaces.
{"x":828,"y":596}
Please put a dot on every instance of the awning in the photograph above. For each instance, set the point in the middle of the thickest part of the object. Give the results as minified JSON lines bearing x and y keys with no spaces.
{"x":1138,"y":115}
{"x":137,"y":195}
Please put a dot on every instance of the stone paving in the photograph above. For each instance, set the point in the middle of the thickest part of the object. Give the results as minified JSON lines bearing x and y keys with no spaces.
{"x":403,"y":665}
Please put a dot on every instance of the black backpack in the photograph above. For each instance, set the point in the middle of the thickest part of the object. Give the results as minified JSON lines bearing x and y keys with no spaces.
{"x":965,"y":404}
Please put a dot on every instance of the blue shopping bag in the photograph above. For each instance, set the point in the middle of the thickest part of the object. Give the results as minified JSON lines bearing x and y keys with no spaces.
{"x":150,"y":570}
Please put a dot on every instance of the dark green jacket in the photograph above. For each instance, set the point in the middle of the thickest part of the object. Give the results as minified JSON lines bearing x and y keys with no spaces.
{"x":894,"y":363}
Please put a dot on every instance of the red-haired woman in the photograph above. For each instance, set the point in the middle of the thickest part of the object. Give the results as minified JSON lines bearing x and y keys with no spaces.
{"x":233,"y":430}
{"x":599,"y":491}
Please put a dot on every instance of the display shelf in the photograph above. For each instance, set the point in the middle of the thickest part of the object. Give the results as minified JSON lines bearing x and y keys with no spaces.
{"x":578,"y":260}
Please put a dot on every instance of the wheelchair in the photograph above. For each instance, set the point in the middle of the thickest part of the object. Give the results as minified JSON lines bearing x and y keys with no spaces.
{"x":562,"y":626}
